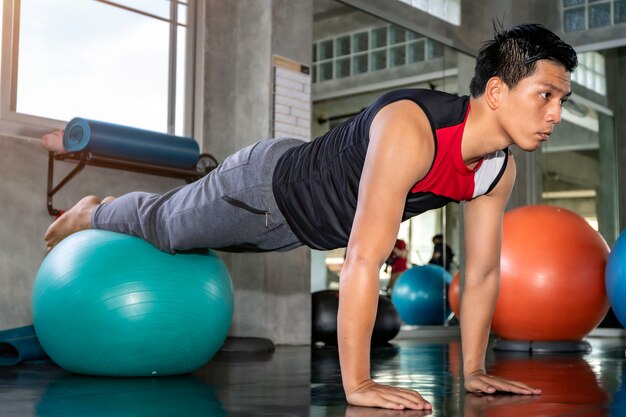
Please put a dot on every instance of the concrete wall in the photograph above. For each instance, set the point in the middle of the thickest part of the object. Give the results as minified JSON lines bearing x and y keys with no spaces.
{"x":272,"y":291}
{"x":616,"y":87}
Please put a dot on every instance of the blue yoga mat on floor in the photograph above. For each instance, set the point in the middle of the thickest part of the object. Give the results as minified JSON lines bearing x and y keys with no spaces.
{"x":110,"y":140}
{"x":19,"y":345}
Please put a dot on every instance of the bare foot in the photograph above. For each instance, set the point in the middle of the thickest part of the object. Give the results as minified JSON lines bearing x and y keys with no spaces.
{"x":75,"y":219}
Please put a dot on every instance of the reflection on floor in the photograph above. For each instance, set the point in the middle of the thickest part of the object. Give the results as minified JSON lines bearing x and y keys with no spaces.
{"x":304,"y":381}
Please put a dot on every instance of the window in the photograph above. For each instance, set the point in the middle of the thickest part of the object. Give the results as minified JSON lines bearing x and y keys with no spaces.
{"x":360,"y":64}
{"x":416,"y":51}
{"x":379,"y":60}
{"x":326,"y":71}
{"x":326,"y":49}
{"x":448,"y":10}
{"x":435,"y":49}
{"x":397,"y":34}
{"x":599,"y":15}
{"x":397,"y":56}
{"x":619,"y":11}
{"x":379,"y":37}
{"x":574,"y":19}
{"x":342,"y":68}
{"x":590,"y":14}
{"x":343,"y":45}
{"x":375,"y":49}
{"x":118,"y":61}
{"x":591,"y":72}
{"x":360,"y":41}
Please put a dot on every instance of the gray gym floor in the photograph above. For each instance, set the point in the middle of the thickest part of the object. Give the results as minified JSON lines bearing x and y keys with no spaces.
{"x":305,"y":381}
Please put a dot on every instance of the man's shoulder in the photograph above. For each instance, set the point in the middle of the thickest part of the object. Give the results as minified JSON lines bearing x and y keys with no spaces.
{"x":442,"y":109}
{"x":419,"y":94}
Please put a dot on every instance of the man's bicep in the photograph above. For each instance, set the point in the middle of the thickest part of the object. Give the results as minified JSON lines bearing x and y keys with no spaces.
{"x":399,"y":154}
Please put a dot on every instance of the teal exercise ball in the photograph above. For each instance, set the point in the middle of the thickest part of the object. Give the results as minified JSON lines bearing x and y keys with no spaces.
{"x":418,"y":295}
{"x":109,"y":304}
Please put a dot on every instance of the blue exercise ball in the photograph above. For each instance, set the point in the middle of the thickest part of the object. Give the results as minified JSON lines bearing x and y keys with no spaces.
{"x":109,"y":304}
{"x":615,"y":278}
{"x":447,"y":277}
{"x":418,"y":295}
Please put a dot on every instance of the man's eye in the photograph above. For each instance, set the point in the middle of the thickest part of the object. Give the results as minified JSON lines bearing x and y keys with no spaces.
{"x":546,"y":95}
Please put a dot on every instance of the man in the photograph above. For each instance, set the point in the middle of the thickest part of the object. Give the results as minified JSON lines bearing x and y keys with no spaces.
{"x":439,"y":258}
{"x":398,"y":262}
{"x":410,"y":151}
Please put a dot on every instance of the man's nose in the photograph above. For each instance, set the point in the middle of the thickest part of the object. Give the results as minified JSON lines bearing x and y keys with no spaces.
{"x":554,"y":114}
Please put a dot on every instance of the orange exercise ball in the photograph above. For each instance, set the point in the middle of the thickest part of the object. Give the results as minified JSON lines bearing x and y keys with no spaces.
{"x":552,"y":276}
{"x":454,"y":294}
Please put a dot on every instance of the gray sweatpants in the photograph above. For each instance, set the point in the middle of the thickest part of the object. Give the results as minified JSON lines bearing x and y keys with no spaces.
{"x":232,"y":208}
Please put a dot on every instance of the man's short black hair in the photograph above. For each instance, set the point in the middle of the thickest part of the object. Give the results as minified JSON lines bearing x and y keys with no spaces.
{"x":512,"y":55}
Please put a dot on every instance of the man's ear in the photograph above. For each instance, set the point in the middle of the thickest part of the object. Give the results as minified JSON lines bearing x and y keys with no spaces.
{"x":494,"y":91}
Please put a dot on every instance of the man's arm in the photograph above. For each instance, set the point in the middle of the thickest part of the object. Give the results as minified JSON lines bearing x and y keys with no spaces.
{"x":400,"y":153}
{"x":483,"y":241}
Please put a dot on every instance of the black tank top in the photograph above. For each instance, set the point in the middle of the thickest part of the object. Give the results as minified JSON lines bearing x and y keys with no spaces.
{"x":316,"y":184}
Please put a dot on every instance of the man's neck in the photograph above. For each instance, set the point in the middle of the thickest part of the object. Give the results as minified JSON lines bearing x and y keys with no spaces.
{"x":482,"y":135}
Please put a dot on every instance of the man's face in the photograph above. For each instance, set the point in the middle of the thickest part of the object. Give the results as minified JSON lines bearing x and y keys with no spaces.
{"x":530,"y":111}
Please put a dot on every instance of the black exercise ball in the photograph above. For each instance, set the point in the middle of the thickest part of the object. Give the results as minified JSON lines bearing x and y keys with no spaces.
{"x":324,"y":325}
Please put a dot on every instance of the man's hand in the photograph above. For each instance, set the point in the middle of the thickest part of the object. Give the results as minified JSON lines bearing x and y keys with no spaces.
{"x":478,"y":382}
{"x":371,"y":394}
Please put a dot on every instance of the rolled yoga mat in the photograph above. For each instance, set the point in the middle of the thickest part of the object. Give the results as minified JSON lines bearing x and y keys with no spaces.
{"x":19,"y":345}
{"x":106,"y":139}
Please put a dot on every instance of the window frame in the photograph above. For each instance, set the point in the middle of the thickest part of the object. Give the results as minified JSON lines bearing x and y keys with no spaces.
{"x":585,"y":7}
{"x":25,"y":125}
{"x":411,"y":38}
